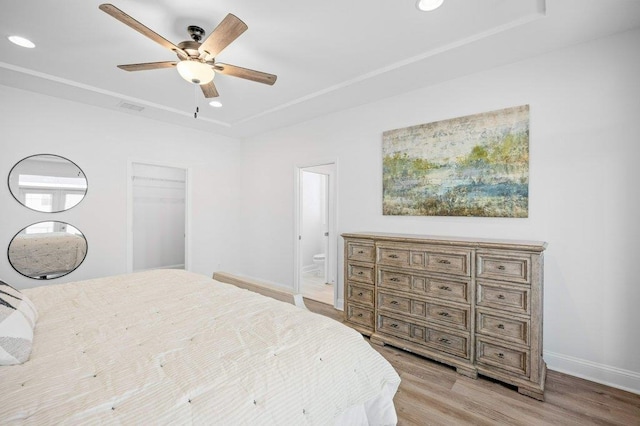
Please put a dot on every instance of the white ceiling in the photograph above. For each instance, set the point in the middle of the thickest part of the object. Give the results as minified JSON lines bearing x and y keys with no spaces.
{"x":328,"y":55}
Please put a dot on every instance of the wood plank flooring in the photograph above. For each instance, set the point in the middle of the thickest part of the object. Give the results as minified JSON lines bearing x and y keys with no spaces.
{"x":434,"y":394}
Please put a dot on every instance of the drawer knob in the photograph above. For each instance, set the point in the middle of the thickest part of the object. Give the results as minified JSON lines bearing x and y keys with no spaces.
{"x":393,"y":256}
{"x":395,"y":280}
{"x":360,"y":251}
{"x":444,"y":287}
{"x":443,"y":340}
{"x":443,"y":314}
{"x":360,"y":294}
{"x":360,"y":314}
{"x":444,"y":262}
{"x":394,"y":302}
{"x":500,"y":355}
{"x":501,"y":326}
{"x":360,"y":273}
{"x":394,"y":325}
{"x":501,"y":267}
{"x":501,"y":296}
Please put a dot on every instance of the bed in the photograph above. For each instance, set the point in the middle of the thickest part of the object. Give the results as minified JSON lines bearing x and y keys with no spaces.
{"x":174,"y":347}
{"x":43,"y":254}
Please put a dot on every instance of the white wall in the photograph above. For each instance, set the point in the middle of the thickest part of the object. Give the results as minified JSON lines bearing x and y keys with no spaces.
{"x":102,"y":142}
{"x":585,"y":122}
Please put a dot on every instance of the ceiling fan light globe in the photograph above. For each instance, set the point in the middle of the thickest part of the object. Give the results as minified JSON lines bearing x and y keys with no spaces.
{"x":195,"y":72}
{"x":429,"y":5}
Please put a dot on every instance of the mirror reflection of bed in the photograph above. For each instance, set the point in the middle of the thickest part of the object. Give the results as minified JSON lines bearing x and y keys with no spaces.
{"x":47,"y":250}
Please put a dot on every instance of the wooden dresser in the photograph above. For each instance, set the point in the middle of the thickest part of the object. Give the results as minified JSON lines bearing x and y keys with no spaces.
{"x":475,"y":304}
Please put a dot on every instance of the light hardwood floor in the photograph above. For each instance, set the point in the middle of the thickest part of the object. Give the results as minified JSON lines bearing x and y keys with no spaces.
{"x":314,"y":287}
{"x":434,"y":394}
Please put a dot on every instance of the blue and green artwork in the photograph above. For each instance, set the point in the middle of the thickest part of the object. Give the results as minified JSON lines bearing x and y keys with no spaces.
{"x":476,"y":165}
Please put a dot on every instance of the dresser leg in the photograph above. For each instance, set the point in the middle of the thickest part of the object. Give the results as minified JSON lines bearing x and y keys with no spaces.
{"x":533,"y":393}
{"x":469,"y":372}
{"x":376,"y":341}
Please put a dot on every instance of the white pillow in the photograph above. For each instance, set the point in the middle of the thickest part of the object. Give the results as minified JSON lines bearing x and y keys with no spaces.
{"x":18,"y":318}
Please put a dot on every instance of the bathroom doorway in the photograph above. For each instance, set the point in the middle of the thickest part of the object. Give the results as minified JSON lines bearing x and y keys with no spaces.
{"x":317,"y":239}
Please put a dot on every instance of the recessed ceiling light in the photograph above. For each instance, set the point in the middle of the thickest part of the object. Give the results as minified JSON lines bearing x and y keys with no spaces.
{"x":429,"y":5}
{"x":21,"y":41}
{"x":215,"y":104}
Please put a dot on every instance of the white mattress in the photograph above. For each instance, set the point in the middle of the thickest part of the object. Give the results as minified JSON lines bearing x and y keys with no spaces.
{"x":174,"y":347}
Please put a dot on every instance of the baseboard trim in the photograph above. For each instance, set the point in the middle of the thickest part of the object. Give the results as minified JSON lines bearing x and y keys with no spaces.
{"x":599,"y":373}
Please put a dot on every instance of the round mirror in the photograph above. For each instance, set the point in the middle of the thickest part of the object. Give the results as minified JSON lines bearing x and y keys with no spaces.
{"x":47,"y":183}
{"x":47,"y":250}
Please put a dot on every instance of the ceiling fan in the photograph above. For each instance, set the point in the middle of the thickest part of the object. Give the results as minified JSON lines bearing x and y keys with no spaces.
{"x":196,"y":62}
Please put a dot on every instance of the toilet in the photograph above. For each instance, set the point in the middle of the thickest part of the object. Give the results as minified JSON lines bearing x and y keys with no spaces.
{"x":318,"y":259}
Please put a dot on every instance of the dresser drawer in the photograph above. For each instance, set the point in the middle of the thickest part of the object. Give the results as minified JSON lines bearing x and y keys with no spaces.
{"x":452,"y":290}
{"x":512,"y":360}
{"x":448,"y":315}
{"x":360,"y":272}
{"x":504,"y":267}
{"x":503,"y":297}
{"x":456,"y":262}
{"x":360,"y":316}
{"x":431,"y":312}
{"x":444,"y":341}
{"x":363,"y":251}
{"x":401,"y":305}
{"x":512,"y":329}
{"x":361,"y":294}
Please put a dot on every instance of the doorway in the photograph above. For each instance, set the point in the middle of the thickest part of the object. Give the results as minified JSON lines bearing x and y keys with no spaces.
{"x":157,"y":217}
{"x":316,"y":254}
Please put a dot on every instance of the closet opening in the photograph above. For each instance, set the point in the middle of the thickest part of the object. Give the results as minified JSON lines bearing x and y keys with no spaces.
{"x":158,"y":213}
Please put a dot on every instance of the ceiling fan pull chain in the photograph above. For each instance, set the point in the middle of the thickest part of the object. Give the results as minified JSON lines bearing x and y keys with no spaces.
{"x":195,"y":101}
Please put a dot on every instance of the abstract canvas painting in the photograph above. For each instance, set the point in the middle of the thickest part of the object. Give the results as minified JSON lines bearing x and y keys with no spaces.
{"x":476,"y":165}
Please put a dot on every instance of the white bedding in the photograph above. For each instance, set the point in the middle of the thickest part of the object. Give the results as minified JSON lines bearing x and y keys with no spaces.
{"x":173,"y":347}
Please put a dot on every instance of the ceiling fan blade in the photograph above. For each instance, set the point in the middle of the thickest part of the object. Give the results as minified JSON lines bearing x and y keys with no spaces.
{"x":148,"y":66}
{"x":228,"y":30}
{"x":260,"y":77}
{"x":209,"y":90}
{"x":129,"y":21}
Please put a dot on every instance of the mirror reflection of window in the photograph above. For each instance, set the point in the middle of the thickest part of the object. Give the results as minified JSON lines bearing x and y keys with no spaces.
{"x":47,"y":183}
{"x":38,"y":201}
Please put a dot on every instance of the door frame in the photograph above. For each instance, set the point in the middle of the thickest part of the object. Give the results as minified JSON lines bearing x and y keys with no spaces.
{"x":187,"y":212}
{"x":332,"y":255}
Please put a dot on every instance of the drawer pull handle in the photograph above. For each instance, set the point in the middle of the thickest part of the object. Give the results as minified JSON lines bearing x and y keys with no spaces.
{"x":360,"y":251}
{"x":395,"y":280}
{"x":501,"y":326}
{"x":360,"y":315}
{"x":501,"y":296}
{"x":445,"y":341}
{"x":394,"y":325}
{"x":444,"y":287}
{"x":394,"y":302}
{"x":360,"y":294}
{"x":501,"y":267}
{"x":360,"y":273}
{"x":500,"y":355}
{"x":393,"y":256}
{"x":444,"y":262}
{"x":444,"y":314}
